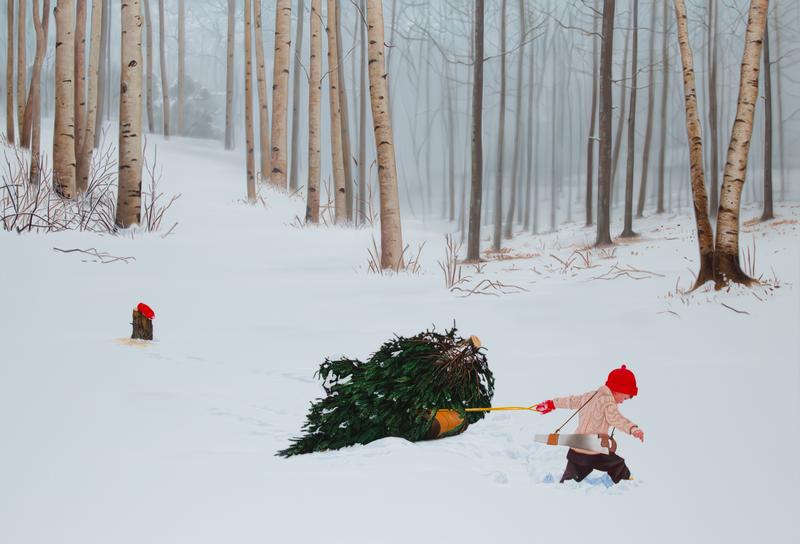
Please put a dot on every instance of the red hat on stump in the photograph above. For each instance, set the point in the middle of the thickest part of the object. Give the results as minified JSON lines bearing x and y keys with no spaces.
{"x":622,"y":380}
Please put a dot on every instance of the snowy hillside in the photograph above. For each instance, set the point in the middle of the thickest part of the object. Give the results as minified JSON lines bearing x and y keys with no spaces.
{"x":105,"y":441}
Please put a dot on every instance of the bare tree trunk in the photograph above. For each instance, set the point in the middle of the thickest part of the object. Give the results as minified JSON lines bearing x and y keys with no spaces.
{"x":361,"y":213}
{"x":314,"y":107}
{"x":391,"y":229}
{"x":498,"y":184}
{"x":553,"y":145}
{"x":726,"y":251}
{"x":592,"y":138}
{"x":149,"y":58}
{"x":531,"y":144}
{"x":263,"y":108}
{"x":621,"y":123}
{"x":298,"y":49}
{"x":664,"y":120}
{"x":34,"y":92}
{"x":10,"y":73}
{"x":181,"y":64}
{"x":248,"y":102}
{"x":64,"y":123}
{"x":22,"y":70}
{"x":280,"y":91}
{"x":627,"y":230}
{"x":347,"y":155}
{"x":451,"y":145}
{"x":229,"y":74}
{"x":518,"y":128}
{"x":102,"y":105}
{"x":705,"y":237}
{"x":768,"y":212}
{"x":80,"y":87}
{"x":129,"y":196}
{"x":163,"y":69}
{"x":712,"y":105}
{"x":779,"y":93}
{"x":651,"y":99}
{"x":87,"y":140}
{"x":604,"y":175}
{"x":340,"y":197}
{"x":33,"y":106}
{"x":476,"y":193}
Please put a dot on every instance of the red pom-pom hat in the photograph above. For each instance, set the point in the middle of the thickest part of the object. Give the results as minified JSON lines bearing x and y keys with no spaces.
{"x":622,"y":380}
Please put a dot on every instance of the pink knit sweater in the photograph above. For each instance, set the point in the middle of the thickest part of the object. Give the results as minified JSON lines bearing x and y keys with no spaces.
{"x":598,"y":415}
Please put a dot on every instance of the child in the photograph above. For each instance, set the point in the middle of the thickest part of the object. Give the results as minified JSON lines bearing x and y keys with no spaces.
{"x":597,"y":411}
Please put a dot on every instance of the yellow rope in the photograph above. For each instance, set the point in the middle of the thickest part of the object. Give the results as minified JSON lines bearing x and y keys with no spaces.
{"x":501,"y":408}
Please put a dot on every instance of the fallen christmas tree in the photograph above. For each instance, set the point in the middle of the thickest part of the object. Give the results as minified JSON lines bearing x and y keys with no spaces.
{"x":414,"y":388}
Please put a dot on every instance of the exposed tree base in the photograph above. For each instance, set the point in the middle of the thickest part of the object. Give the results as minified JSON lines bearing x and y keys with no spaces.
{"x":706,"y":272}
{"x":727,"y":270}
{"x":629,"y":234}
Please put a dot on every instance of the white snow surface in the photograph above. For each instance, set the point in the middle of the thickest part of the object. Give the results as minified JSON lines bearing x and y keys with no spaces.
{"x":103,"y":441}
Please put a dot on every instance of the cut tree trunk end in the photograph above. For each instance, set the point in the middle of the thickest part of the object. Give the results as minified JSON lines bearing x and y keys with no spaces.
{"x":142,"y":326}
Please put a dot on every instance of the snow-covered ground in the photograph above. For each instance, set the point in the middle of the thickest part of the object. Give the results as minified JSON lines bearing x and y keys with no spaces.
{"x":107,"y":442}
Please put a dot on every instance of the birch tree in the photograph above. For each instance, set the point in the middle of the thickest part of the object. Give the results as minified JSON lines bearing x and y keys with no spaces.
{"x":181,"y":64}
{"x":280,"y":91}
{"x":64,"y":122}
{"x":664,"y":119}
{"x":314,"y":107}
{"x":80,"y":87}
{"x":129,"y":195}
{"x":229,"y":75}
{"x":149,"y":59}
{"x":22,"y":69}
{"x":705,"y":238}
{"x":263,"y":110}
{"x":162,"y":46}
{"x":726,"y":250}
{"x":391,"y":230}
{"x":103,"y":104}
{"x":295,"y":148}
{"x":248,"y":102}
{"x":340,"y":190}
{"x":33,"y":106}
{"x":347,"y":155}
{"x":361,"y":212}
{"x":768,"y":208}
{"x":10,"y":72}
{"x":87,"y":140}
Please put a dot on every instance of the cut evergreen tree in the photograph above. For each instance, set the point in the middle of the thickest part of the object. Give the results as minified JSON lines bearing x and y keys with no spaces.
{"x":414,"y":388}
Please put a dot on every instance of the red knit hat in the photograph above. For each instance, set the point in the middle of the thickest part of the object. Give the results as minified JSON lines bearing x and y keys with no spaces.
{"x":622,"y":380}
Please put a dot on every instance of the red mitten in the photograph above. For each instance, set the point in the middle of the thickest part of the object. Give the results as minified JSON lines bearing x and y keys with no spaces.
{"x":545,"y":407}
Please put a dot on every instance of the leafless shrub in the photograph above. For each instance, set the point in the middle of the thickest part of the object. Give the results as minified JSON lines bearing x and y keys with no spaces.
{"x":26,"y":207}
{"x":450,"y":266}
{"x":154,"y":206}
{"x":607,"y":252}
{"x":413,"y":265}
{"x":479,"y":266}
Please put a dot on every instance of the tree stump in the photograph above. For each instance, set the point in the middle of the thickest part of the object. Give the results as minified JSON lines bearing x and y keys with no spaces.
{"x":142,"y":326}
